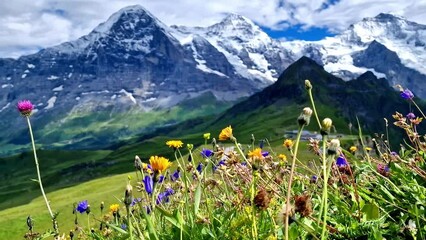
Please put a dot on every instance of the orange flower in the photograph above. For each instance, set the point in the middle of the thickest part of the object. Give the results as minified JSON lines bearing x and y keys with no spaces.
{"x":114,"y":208}
{"x":159,"y":164}
{"x":288,"y":143}
{"x":225,"y":134}
{"x":283,"y":157}
{"x":256,"y":153}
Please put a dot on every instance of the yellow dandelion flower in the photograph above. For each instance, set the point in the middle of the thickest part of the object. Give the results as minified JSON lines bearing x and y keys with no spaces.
{"x":226,"y":133}
{"x":368,"y":149}
{"x":159,"y":164}
{"x":288,"y":143}
{"x":114,"y":208}
{"x":206,"y":136}
{"x":282,"y":157}
{"x":174,"y":144}
{"x":353,"y":149}
{"x":256,"y":153}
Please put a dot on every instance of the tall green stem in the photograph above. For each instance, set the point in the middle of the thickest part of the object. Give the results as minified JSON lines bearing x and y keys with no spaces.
{"x":324,"y":172}
{"x":129,"y":221}
{"x":325,"y":198}
{"x":290,"y":181}
{"x":313,"y":107}
{"x":38,"y":170}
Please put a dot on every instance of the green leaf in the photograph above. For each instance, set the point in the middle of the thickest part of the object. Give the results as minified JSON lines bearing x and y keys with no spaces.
{"x":118,"y":229}
{"x":150,"y":225}
{"x":371,"y":210}
{"x":197,"y":199}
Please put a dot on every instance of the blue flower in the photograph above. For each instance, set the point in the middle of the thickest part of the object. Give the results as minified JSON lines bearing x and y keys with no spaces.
{"x":123,"y":226}
{"x":407,"y":94}
{"x":82,"y":206}
{"x":161,"y":179}
{"x":341,"y":162}
{"x":200,"y":167}
{"x":411,"y":116}
{"x":314,"y":179}
{"x":164,"y":196}
{"x":265,"y":153}
{"x":261,"y":143}
{"x":175,"y":176}
{"x":221,"y":162}
{"x":148,"y":183}
{"x":206,"y":153}
{"x":135,"y":201}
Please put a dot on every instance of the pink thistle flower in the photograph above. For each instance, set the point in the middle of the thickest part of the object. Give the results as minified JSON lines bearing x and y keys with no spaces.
{"x":25,"y":107}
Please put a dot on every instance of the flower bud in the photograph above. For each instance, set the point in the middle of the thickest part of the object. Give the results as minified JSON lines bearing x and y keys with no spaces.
{"x":326,"y":125}
{"x":305,"y":117}
{"x":334,"y":147}
{"x":138,"y":163}
{"x":308,"y":85}
{"x":128,"y":198}
{"x":190,"y":146}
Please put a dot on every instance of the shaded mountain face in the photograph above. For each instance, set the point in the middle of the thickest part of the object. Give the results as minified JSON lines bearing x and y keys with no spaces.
{"x":366,"y":97}
{"x":134,"y":64}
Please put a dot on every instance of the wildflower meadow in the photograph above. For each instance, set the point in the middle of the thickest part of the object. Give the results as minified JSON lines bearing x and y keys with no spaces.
{"x":232,"y":189}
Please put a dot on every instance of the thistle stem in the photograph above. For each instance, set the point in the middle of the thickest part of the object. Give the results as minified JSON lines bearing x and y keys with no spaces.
{"x":38,"y":169}
{"x":130,"y":223}
{"x":290,"y":181}
{"x":313,"y":107}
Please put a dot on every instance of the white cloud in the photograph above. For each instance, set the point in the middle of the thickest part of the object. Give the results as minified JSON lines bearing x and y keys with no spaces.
{"x":28,"y":25}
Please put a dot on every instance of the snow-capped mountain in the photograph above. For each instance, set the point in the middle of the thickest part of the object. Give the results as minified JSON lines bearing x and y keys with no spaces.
{"x":388,"y":45}
{"x":134,"y":62}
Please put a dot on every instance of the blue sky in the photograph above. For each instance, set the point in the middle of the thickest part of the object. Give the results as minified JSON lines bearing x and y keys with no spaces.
{"x":29,"y":25}
{"x":296,"y":32}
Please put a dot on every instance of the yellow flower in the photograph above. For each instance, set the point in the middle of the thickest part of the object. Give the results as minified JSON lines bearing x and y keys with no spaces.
{"x":114,"y":208}
{"x":174,"y":144}
{"x":256,"y":153}
{"x":353,"y":149}
{"x":283,"y":157}
{"x":159,"y":164}
{"x":288,"y":143}
{"x":226,"y":133}
{"x":368,"y":149}
{"x":206,"y":136}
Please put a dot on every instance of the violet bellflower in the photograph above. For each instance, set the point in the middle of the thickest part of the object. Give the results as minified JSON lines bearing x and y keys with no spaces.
{"x":206,"y":153}
{"x":407,"y":94}
{"x":175,"y":176}
{"x":341,"y":162}
{"x":149,"y":184}
{"x":82,"y":206}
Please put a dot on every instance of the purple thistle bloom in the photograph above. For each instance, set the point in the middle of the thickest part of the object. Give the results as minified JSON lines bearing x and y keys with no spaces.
{"x":148,"y":183}
{"x":200,"y":167}
{"x":341,"y":162}
{"x":265,"y":153}
{"x":82,"y":206}
{"x":25,"y":107}
{"x":161,"y":179}
{"x":407,"y":94}
{"x":411,"y":116}
{"x":175,"y":176}
{"x":206,"y":153}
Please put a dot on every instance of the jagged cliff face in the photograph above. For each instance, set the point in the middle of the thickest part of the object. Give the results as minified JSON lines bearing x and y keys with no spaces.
{"x":135,"y":63}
